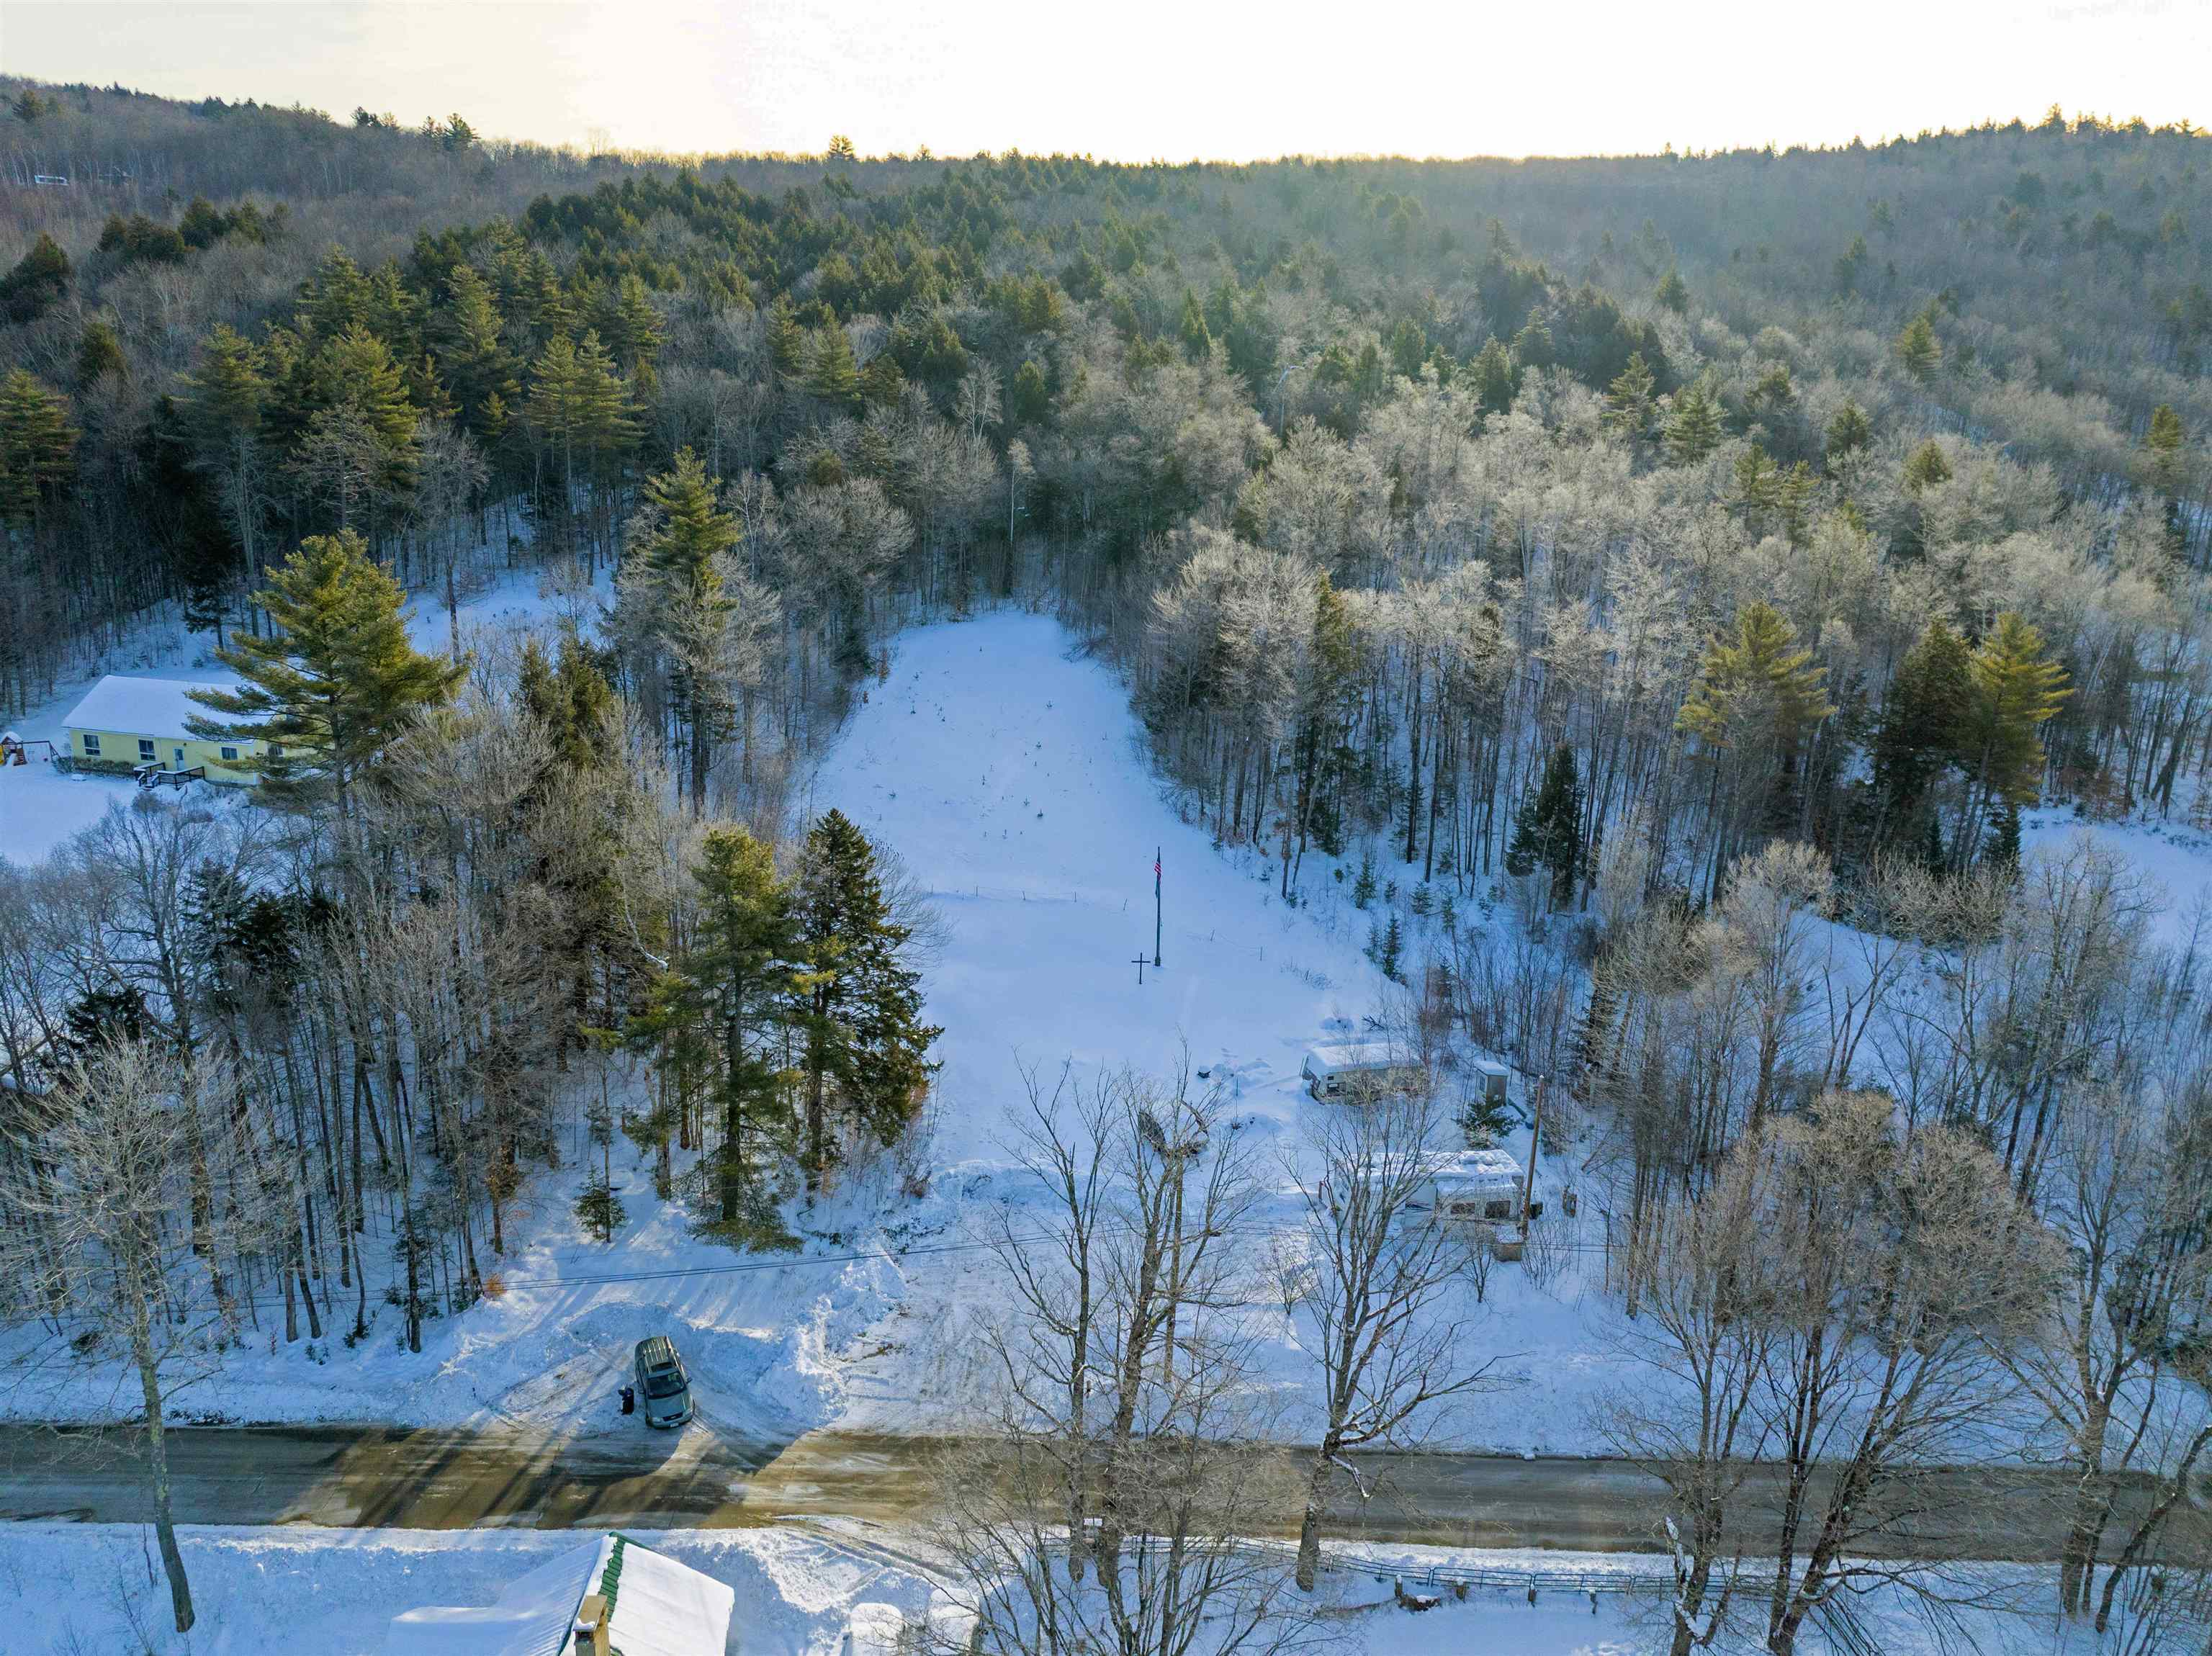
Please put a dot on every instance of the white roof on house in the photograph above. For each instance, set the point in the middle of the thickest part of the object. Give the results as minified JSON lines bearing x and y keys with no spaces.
{"x":661,"y":1608}
{"x":143,"y":706}
{"x":1476,"y":1170}
{"x":1320,"y":1060}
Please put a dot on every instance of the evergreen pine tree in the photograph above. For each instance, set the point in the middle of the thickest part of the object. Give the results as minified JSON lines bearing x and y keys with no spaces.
{"x":334,"y":680}
{"x":1492,"y":377}
{"x":832,"y":375}
{"x":97,"y":352}
{"x":1388,"y":952}
{"x":865,"y":1048}
{"x":1925,"y":467}
{"x":1672,"y":292}
{"x":1693,"y":427}
{"x":1848,"y":431}
{"x":2163,"y":443}
{"x":1197,"y":342}
{"x":477,"y":367}
{"x":2001,"y":850}
{"x":1030,"y":398}
{"x":356,"y":371}
{"x":882,"y":384}
{"x":572,"y":700}
{"x":1363,"y":888}
{"x":728,"y":990}
{"x":2017,"y":688}
{"x":2163,"y":451}
{"x":579,"y":409}
{"x":1918,"y":348}
{"x":633,"y":329}
{"x":1923,"y":718}
{"x":1757,"y":698}
{"x":1758,"y":484}
{"x":1628,"y":400}
{"x":36,"y":283}
{"x":681,"y":537}
{"x":598,"y":1210}
{"x":1533,"y":346}
{"x":38,"y":447}
{"x":1548,"y":829}
{"x":1793,"y":495}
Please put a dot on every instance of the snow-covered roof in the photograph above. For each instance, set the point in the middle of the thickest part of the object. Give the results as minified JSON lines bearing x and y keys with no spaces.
{"x":661,"y":1608}
{"x":1320,"y":1060}
{"x":141,"y":707}
{"x":1476,"y":1170}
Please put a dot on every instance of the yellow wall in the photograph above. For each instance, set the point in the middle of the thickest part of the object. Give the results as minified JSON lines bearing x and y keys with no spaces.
{"x":121,"y":747}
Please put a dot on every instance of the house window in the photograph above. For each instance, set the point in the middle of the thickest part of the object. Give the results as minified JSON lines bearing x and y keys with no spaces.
{"x":276,"y":750}
{"x":1498,"y":1209}
{"x":178,"y":754}
{"x":91,"y":746}
{"x":229,"y":752}
{"x":146,"y":748}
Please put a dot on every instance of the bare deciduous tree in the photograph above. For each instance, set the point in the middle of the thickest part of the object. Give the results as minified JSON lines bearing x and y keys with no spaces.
{"x":1382,"y":1266}
{"x":1107,"y":1507}
{"x":97,"y":1188}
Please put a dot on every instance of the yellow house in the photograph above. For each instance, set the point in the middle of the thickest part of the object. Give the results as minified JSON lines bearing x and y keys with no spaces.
{"x":128,"y":723}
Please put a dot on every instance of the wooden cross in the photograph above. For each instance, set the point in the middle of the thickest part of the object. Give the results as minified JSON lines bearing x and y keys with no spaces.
{"x":1142,"y":962}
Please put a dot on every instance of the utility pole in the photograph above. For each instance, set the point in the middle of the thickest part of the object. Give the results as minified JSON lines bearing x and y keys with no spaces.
{"x":1536,"y":1134}
{"x":1157,"y":852}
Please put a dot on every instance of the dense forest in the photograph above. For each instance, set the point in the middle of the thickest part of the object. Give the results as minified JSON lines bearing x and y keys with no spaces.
{"x":1682,"y":550}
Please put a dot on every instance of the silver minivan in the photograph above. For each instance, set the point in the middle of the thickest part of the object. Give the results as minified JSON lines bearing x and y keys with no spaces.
{"x":662,"y":1382}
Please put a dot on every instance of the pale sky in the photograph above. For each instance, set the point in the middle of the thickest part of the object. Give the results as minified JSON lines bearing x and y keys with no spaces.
{"x":1144,"y":79}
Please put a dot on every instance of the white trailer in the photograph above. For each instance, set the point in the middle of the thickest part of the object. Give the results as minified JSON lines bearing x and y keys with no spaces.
{"x":1357,"y":1072}
{"x":1477,"y":1187}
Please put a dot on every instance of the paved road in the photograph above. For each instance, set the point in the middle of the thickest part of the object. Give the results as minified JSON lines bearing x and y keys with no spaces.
{"x":369,"y":1475}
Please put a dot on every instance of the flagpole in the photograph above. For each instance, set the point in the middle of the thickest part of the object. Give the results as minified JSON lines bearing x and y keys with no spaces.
{"x":1156,"y":904}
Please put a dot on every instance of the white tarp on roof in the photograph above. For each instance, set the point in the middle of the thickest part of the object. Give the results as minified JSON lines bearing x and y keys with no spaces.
{"x":1475,"y":1170}
{"x":1328,"y":1060}
{"x":662,"y":1608}
{"x":141,"y":707}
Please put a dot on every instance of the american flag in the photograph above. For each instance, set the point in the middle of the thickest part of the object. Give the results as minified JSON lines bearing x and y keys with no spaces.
{"x":1156,"y":868}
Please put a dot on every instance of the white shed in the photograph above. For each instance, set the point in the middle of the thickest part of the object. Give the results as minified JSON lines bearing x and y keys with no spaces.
{"x":606,"y":1595}
{"x":1491,"y":1079}
{"x":1475,"y":1187}
{"x":1351,"y":1072}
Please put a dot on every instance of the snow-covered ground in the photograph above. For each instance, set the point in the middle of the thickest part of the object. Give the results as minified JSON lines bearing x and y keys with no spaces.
{"x":76,"y":1589}
{"x":2177,"y":860}
{"x":1004,"y":767}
